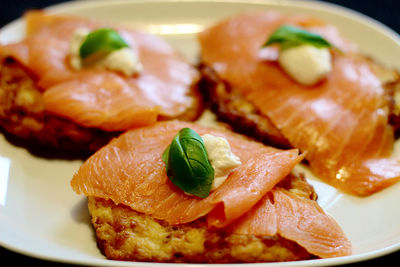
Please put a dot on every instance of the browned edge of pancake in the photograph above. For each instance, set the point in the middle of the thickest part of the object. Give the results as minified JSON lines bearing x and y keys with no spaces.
{"x":25,"y":122}
{"x":231,"y":108}
{"x":123,"y":234}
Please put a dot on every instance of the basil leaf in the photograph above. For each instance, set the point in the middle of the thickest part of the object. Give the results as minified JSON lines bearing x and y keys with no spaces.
{"x":187,"y":163}
{"x":101,"y":41}
{"x":165,"y":155}
{"x":289,"y":36}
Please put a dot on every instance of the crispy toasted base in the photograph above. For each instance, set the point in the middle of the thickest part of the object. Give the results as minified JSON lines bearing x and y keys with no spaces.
{"x":123,"y":234}
{"x":231,"y":108}
{"x":23,"y":115}
{"x":245,"y":118}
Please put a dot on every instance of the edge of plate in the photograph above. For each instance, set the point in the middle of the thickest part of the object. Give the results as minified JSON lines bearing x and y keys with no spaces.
{"x":314,"y":4}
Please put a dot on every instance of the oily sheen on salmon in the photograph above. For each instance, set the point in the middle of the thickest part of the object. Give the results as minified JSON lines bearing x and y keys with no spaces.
{"x":129,"y":175}
{"x":342,"y":122}
{"x":38,"y":69}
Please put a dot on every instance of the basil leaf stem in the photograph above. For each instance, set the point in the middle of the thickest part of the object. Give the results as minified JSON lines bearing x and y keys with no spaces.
{"x":101,"y":41}
{"x":187,"y":163}
{"x":289,"y":36}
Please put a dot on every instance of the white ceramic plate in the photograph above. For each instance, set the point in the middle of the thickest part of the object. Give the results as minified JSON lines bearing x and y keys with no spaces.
{"x":41,"y":216}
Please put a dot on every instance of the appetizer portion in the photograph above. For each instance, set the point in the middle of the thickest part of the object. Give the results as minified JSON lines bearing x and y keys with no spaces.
{"x":293,"y":81}
{"x":152,"y":197}
{"x":75,"y":82}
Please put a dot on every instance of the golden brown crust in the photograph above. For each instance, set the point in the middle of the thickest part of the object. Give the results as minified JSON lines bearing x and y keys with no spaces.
{"x":123,"y":234}
{"x":22,"y":114}
{"x":236,"y":111}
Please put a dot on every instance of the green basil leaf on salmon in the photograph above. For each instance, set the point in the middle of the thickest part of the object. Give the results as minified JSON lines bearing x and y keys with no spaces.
{"x":187,"y":163}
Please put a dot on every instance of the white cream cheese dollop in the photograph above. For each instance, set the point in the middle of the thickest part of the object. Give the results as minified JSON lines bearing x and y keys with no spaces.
{"x":74,"y":45}
{"x":124,"y":60}
{"x":221,"y":158}
{"x":306,"y":64}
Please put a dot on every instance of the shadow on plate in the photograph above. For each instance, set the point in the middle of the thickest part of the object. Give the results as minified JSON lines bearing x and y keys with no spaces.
{"x":43,"y":151}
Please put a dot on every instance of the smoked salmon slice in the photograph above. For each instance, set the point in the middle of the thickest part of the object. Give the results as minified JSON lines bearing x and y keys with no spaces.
{"x":342,"y":122}
{"x":130,"y":171}
{"x":99,"y":98}
{"x":298,"y":219}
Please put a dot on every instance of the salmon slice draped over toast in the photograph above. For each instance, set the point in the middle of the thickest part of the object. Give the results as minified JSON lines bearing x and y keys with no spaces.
{"x":129,"y":172}
{"x":342,"y":122}
{"x":37,"y":70}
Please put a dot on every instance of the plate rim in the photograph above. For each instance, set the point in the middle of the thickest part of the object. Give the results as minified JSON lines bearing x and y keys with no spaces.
{"x":314,"y":4}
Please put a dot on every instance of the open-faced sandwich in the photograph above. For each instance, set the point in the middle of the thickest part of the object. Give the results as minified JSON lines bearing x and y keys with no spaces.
{"x":179,"y":192}
{"x":293,"y":81}
{"x":73,"y":83}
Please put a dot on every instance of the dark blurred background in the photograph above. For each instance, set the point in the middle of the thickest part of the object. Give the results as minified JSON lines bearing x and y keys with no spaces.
{"x":385,"y":11}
